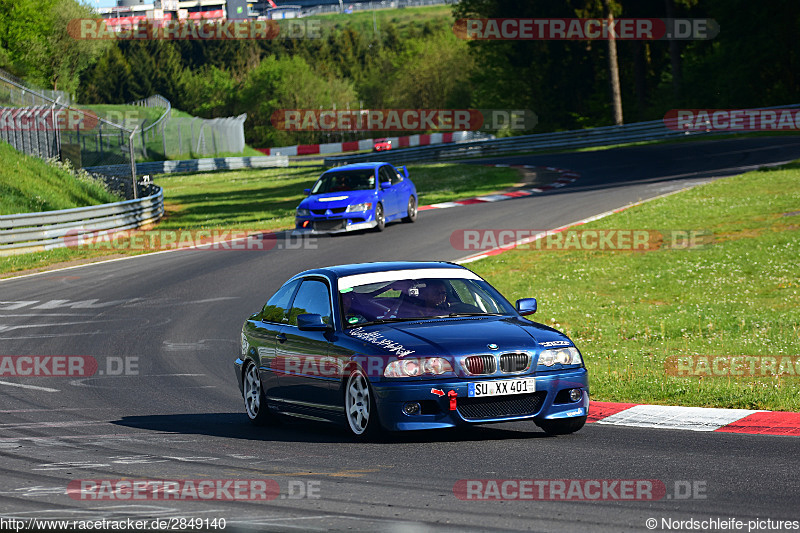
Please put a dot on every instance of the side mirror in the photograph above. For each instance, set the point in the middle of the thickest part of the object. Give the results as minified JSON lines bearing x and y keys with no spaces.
{"x":386,"y":184}
{"x":311,"y":322}
{"x":306,"y":191}
{"x":404,"y":170}
{"x":526,"y":306}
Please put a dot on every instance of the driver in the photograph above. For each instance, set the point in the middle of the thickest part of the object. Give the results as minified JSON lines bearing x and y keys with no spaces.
{"x":434,"y":294}
{"x":432,"y":299}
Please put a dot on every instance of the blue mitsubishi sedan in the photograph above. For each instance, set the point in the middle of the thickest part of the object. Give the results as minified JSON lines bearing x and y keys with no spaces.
{"x":406,"y":346}
{"x":357,"y":197}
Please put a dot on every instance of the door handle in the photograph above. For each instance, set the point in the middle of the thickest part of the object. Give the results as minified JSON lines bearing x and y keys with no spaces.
{"x":280,"y":337}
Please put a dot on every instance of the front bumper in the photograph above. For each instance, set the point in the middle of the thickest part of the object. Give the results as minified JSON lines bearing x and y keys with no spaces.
{"x":328,"y":226}
{"x":436,"y":412}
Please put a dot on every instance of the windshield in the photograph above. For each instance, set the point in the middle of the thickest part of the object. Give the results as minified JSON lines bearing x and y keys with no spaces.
{"x":423,"y":298}
{"x":345,"y":180}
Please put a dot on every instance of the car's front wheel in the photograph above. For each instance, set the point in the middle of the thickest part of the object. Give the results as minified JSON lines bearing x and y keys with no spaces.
{"x":412,"y":210}
{"x":563,"y":426}
{"x":380,"y":218}
{"x":255,"y":405}
{"x":359,"y":406}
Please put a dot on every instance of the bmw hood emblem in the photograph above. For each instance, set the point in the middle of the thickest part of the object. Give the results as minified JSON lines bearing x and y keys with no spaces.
{"x":492,"y":346}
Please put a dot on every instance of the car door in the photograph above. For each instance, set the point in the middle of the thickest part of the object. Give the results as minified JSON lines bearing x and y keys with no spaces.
{"x":309,"y":375}
{"x":262,"y":333}
{"x":402,"y":188}
{"x":391,"y":195}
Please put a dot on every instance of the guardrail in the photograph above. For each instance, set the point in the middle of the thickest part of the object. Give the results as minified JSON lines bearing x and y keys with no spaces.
{"x":29,"y":232}
{"x":654,"y":130}
{"x":194,"y":165}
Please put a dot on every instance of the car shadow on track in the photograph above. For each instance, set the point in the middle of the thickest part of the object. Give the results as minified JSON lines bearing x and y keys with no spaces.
{"x":236,"y":426}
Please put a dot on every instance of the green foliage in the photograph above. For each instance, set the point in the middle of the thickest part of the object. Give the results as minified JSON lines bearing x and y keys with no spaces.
{"x":35,"y":41}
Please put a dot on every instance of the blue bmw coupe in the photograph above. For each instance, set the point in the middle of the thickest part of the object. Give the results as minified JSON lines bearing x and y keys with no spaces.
{"x":407,"y":346}
{"x":357,"y":197}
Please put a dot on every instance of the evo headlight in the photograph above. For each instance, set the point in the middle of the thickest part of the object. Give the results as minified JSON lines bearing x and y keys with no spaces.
{"x":302,"y":212}
{"x":408,"y":368}
{"x":560,"y":356}
{"x":359,"y":207}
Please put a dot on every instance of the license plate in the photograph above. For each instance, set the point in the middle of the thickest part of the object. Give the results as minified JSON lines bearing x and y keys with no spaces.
{"x":502,"y":387}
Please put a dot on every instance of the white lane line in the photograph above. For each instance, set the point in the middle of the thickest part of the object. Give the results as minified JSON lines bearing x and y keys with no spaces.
{"x":55,"y":409}
{"x":33,"y":425}
{"x":133,"y":437}
{"x":3,"y":315}
{"x":54,"y":324}
{"x":32,"y":387}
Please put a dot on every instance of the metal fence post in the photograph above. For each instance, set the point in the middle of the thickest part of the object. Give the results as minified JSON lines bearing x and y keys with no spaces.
{"x":56,"y":129}
{"x":133,"y":162}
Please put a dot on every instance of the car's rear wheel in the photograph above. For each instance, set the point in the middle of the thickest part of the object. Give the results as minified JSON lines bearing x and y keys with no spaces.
{"x":380,"y":218}
{"x":563,"y":426}
{"x":359,"y":406}
{"x":255,"y":405}
{"x":412,"y":210}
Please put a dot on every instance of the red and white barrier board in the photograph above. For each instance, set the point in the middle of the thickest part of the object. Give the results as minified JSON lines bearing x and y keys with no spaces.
{"x":364,"y":144}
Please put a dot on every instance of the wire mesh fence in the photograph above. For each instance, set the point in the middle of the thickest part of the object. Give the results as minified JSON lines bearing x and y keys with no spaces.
{"x":190,"y":137}
{"x":44,"y":124}
{"x":171,"y":137}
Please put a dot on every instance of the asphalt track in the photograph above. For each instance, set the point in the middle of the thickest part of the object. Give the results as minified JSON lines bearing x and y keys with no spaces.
{"x":177,"y":414}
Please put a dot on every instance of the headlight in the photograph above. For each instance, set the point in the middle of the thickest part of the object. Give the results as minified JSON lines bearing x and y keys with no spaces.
{"x":303,"y":212}
{"x":406,"y":368}
{"x":359,"y":207}
{"x":560,"y":356}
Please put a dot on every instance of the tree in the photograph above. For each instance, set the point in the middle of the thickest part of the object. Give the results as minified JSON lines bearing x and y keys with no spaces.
{"x":613,"y":66}
{"x":431,"y":73}
{"x":287,"y":83}
{"x":39,"y":46}
{"x":109,"y":81}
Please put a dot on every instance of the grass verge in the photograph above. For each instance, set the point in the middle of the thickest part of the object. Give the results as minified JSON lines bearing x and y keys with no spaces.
{"x":264,"y":199}
{"x":629,"y":311}
{"x":30,"y":185}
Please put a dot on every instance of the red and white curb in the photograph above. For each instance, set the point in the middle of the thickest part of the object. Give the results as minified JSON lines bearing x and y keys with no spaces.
{"x":695,"y":418}
{"x":566,"y":177}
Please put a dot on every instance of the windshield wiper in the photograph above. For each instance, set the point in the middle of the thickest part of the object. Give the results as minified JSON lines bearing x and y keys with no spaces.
{"x":387,"y":320}
{"x":453,"y":315}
